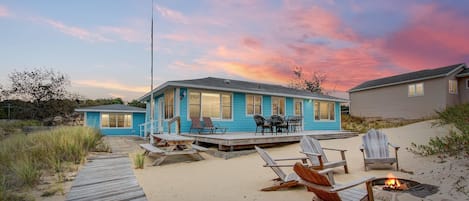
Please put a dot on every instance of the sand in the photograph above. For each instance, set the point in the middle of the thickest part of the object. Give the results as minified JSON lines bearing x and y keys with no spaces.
{"x":242,"y":178}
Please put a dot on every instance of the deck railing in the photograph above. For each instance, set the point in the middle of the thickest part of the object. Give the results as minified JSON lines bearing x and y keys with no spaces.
{"x":145,"y":128}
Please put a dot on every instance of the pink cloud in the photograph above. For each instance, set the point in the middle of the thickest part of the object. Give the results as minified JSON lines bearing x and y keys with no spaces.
{"x":434,"y":37}
{"x":251,"y":42}
{"x":76,"y":32}
{"x":110,"y":85}
{"x":4,"y":11}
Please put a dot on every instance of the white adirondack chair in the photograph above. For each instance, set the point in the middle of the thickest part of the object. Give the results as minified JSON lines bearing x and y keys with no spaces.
{"x":316,"y":155}
{"x":285,"y":180}
{"x":375,"y":149}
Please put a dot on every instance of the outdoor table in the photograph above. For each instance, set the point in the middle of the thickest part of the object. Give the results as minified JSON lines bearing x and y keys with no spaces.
{"x":169,"y":145}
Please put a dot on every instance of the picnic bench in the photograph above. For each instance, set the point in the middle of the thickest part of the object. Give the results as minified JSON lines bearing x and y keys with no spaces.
{"x":169,"y":145}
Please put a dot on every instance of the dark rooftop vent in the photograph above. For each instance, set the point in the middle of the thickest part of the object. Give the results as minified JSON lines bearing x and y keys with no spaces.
{"x":227,"y":81}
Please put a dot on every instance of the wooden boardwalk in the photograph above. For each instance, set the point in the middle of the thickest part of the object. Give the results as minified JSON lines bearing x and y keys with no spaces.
{"x":108,"y":177}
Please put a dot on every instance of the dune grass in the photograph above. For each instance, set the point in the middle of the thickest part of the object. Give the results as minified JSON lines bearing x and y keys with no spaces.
{"x":24,"y":158}
{"x":139,"y":161}
{"x":362,"y":125}
{"x":456,"y":143}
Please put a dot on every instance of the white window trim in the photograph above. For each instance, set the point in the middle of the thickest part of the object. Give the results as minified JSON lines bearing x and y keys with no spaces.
{"x":449,"y":87}
{"x":272,"y":105}
{"x":415,"y":87}
{"x":246,"y":105}
{"x":294,"y":105}
{"x":115,"y":128}
{"x":221,"y":104}
{"x":324,"y":120}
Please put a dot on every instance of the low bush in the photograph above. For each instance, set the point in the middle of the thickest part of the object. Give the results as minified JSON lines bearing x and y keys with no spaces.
{"x":456,"y":143}
{"x":362,"y":125}
{"x":139,"y":161}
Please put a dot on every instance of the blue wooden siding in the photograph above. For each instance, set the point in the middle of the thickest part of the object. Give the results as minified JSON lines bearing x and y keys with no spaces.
{"x":93,"y":119}
{"x":241,"y":122}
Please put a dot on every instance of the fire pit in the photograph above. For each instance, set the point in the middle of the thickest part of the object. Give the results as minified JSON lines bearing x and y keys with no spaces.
{"x":392,"y":183}
{"x":395,"y":185}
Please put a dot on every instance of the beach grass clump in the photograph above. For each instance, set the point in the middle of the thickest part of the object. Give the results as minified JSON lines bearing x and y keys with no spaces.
{"x":14,"y":126}
{"x":362,"y":125}
{"x":456,"y":143}
{"x":139,"y":161}
{"x":24,"y":158}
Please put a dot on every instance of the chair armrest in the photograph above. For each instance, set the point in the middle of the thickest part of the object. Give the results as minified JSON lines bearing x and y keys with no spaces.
{"x":334,"y":149}
{"x":310,"y":153}
{"x":330,"y":174}
{"x":351,"y":184}
{"x":394,"y":146}
{"x":287,"y":159}
{"x":278,"y":165}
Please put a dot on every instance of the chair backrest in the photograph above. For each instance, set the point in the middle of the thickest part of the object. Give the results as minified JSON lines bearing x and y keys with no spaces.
{"x":208,"y":122}
{"x":320,"y":180}
{"x":259,"y":120}
{"x":309,"y":144}
{"x":195,"y":122}
{"x":375,"y":144}
{"x":269,"y":161}
{"x":276,"y":119}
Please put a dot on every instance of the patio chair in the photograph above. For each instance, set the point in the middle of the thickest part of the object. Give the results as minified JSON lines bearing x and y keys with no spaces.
{"x":262,"y":123}
{"x":295,"y":123}
{"x":196,"y":125}
{"x":279,"y":123}
{"x":208,"y":124}
{"x":375,"y":149}
{"x":316,"y":182}
{"x":285,"y":180}
{"x":313,"y":150}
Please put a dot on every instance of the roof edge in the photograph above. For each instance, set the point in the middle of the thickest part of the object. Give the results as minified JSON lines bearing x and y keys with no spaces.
{"x":408,"y":81}
{"x":104,"y":110}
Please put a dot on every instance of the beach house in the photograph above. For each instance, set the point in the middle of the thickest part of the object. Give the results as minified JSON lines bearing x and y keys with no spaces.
{"x":115,"y":119}
{"x":233,"y":103}
{"x":411,"y":95}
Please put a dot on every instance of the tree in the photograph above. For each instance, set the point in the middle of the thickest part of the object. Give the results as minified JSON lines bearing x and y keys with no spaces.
{"x":38,"y":85}
{"x":313,"y":85}
{"x":136,"y":103}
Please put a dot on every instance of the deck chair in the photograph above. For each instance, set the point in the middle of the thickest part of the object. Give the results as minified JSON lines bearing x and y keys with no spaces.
{"x":315,"y":153}
{"x":208,"y":124}
{"x":375,"y":149}
{"x":285,"y":181}
{"x":319,"y":184}
{"x":196,"y":125}
{"x":262,"y":123}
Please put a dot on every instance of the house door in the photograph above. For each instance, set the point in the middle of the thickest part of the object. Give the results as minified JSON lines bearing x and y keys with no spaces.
{"x":160,"y":115}
{"x":298,"y":111}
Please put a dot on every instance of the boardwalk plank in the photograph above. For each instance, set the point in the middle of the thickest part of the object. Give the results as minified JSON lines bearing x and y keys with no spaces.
{"x":106,"y":178}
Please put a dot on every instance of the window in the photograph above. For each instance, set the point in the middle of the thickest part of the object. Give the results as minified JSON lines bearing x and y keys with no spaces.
{"x":324,"y":110}
{"x":298,"y":107}
{"x":116,"y":120}
{"x":169,"y":104}
{"x":278,"y":106}
{"x":415,"y":90}
{"x":453,"y":87}
{"x":253,"y":104}
{"x":467,"y":84}
{"x":210,"y":104}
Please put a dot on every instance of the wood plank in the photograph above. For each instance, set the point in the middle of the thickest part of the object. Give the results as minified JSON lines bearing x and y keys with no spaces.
{"x":104,"y":178}
{"x":199,"y":148}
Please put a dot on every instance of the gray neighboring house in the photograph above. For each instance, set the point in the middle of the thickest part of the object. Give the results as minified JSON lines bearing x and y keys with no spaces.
{"x":412,"y":95}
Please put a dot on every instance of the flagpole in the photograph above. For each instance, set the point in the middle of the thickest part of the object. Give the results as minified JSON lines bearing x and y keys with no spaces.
{"x":152,"y":101}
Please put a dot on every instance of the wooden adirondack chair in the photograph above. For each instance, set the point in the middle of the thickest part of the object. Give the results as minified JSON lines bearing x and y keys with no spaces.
{"x":196,"y":125}
{"x":320,"y":185}
{"x":375,"y":149}
{"x":285,"y":180}
{"x":316,"y":155}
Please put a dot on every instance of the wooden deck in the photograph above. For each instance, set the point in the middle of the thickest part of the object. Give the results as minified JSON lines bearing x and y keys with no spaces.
{"x":232,"y":141}
{"x":107,"y":177}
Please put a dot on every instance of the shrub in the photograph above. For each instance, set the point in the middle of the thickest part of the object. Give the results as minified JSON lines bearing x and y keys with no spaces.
{"x":454,"y":144}
{"x":362,"y":125}
{"x":26,"y":172}
{"x":139,"y":161}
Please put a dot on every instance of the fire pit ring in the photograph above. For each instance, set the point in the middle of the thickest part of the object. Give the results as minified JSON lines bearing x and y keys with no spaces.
{"x":413,"y":187}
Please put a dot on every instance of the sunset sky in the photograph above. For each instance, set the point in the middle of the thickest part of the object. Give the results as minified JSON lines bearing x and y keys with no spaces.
{"x":104,"y":46}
